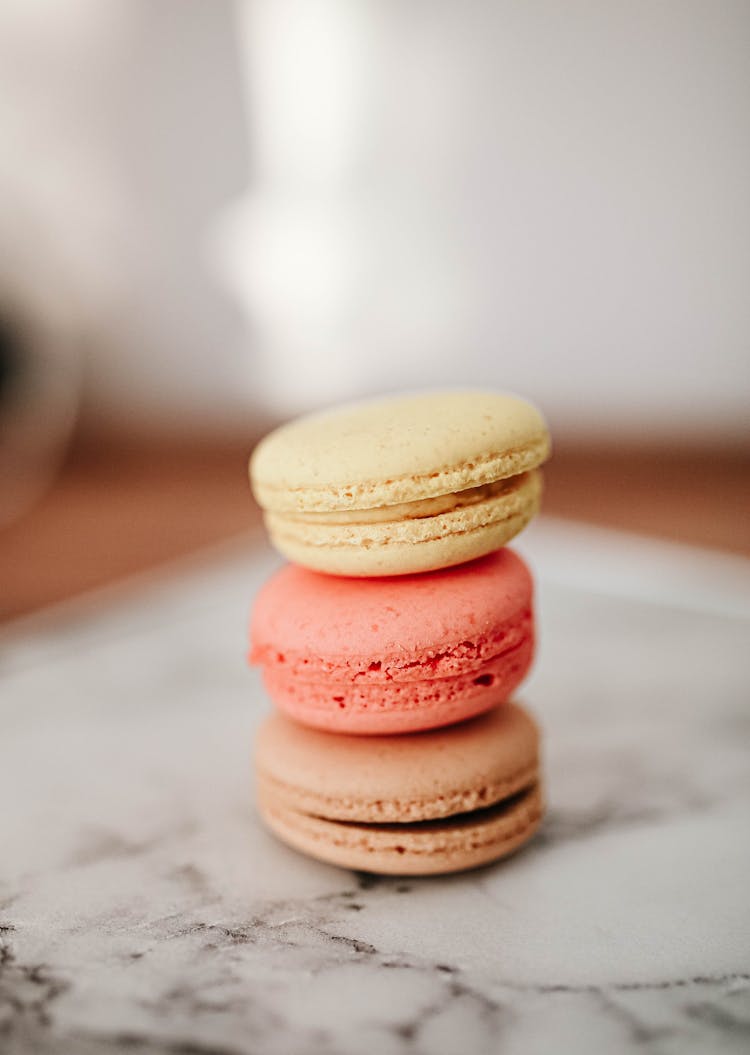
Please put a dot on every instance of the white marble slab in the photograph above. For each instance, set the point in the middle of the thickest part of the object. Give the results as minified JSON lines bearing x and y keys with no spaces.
{"x":144,"y":909}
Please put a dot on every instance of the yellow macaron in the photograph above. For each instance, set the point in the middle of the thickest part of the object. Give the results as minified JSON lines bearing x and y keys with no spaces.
{"x":401,"y":485}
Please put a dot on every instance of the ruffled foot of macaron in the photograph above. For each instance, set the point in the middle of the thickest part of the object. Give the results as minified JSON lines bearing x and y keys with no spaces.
{"x":401,"y":485}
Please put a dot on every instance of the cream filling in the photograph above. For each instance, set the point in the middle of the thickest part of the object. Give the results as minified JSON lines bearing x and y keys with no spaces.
{"x":512,"y":502}
{"x":501,"y":823}
{"x":425,"y":507}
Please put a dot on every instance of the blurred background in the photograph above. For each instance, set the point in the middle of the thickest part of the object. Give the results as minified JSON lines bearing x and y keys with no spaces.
{"x":217,"y":215}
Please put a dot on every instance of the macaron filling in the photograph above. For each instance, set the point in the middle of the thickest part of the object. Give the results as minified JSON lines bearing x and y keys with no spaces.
{"x":448,"y":821}
{"x":424,"y":507}
{"x":414,"y":522}
{"x":463,"y":840}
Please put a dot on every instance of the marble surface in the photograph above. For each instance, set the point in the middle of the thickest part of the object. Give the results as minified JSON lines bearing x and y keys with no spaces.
{"x":144,"y":909}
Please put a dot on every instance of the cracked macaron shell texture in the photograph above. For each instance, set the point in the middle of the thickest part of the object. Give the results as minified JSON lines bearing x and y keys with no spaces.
{"x":401,"y":485}
{"x":383,"y":656}
{"x":438,"y":801}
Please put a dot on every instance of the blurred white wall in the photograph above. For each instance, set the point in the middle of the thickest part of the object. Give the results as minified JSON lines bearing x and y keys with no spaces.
{"x":547,"y":197}
{"x":122,"y":136}
{"x":544,"y":197}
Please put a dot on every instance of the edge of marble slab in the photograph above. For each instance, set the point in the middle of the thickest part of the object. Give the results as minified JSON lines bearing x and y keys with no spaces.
{"x":131,"y":589}
{"x":568,"y":553}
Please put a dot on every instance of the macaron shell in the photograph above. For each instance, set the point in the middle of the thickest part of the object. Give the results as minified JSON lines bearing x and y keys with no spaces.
{"x":379,"y":629}
{"x":367,"y":455}
{"x":410,"y":545}
{"x":452,"y":845}
{"x":398,"y":779}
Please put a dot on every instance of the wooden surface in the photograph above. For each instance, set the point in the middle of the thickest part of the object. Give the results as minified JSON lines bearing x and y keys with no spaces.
{"x":117,"y":510}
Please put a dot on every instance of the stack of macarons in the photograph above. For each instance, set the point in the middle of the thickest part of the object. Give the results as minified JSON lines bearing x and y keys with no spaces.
{"x":393,"y":642}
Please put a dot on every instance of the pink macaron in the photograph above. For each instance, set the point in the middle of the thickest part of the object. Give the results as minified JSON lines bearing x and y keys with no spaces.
{"x":394,"y":655}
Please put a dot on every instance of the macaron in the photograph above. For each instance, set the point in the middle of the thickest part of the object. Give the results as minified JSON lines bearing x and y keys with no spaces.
{"x":394,"y":655}
{"x":439,"y":801}
{"x":401,"y":485}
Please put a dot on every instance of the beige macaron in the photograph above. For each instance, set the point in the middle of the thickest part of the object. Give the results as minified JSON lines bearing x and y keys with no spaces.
{"x":419,"y":804}
{"x":401,"y":485}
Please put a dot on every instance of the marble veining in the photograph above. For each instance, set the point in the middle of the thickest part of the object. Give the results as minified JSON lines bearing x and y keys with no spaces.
{"x":144,"y":909}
